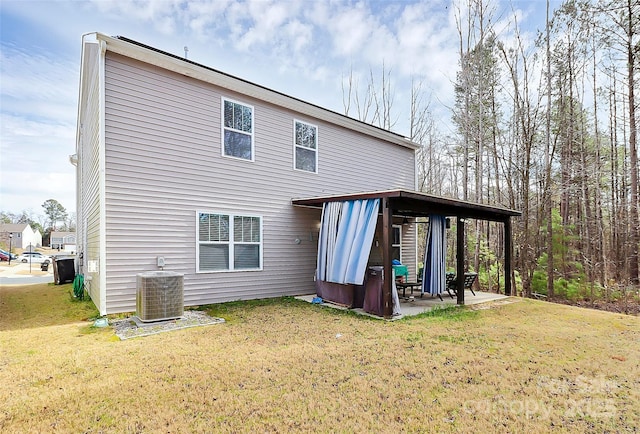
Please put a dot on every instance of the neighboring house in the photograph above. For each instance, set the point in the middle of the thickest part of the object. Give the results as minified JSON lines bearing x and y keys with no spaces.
{"x":23,"y":236}
{"x":179,"y":161}
{"x":63,"y":241}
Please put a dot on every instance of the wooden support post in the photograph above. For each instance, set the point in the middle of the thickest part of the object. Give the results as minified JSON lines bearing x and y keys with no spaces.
{"x":387,"y":233}
{"x":507,"y":256}
{"x":460,"y":260}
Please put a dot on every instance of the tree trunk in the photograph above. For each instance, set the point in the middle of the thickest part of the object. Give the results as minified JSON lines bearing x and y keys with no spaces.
{"x":547,"y":164}
{"x":635,"y":224}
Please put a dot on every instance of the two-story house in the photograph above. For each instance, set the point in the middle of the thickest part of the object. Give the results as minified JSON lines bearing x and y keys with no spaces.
{"x":180,"y":161}
{"x":226,"y":182}
{"x":63,"y":240}
{"x":21,"y":234}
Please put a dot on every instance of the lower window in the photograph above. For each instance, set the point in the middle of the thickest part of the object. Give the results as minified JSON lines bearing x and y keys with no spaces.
{"x":228,"y":242}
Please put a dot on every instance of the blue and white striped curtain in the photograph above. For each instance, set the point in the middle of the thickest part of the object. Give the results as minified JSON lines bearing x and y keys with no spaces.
{"x":346,"y":234}
{"x":434,"y":271}
{"x":327,"y":237}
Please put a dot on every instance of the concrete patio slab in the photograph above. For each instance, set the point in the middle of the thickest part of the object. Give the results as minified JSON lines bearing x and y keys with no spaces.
{"x":414,"y":306}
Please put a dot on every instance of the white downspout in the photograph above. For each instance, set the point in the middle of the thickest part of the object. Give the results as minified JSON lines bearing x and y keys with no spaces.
{"x":415,"y":224}
{"x":77,"y":161}
{"x":102,"y":262}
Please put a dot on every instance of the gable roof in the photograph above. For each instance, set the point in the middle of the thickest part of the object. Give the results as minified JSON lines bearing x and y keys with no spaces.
{"x":144,"y":53}
{"x":60,"y":234}
{"x":13,"y":227}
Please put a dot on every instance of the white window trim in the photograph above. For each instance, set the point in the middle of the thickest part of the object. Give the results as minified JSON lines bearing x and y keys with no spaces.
{"x":231,"y":243}
{"x":222,"y":128}
{"x":295,"y":145}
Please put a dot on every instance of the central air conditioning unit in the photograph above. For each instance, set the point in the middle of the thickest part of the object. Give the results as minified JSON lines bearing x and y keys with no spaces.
{"x":160,"y":295}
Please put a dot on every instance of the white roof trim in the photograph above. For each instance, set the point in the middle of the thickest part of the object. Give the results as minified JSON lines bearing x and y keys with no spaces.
{"x":244,"y":87}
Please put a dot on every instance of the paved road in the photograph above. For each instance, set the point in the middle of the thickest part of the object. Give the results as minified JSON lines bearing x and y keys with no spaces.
{"x":13,"y":275}
{"x":27,"y":280}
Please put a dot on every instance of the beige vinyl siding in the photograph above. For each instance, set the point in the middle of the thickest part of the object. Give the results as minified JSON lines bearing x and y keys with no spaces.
{"x":164,"y":163}
{"x":88,"y":170}
{"x":409,"y":248}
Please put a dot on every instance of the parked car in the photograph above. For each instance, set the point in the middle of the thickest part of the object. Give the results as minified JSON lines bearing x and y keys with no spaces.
{"x":13,"y":255}
{"x":4,"y":257}
{"x":34,"y":257}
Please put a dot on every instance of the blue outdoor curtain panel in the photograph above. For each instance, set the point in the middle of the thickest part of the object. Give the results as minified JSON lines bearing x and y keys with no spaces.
{"x":434,"y":274}
{"x":346,"y":234}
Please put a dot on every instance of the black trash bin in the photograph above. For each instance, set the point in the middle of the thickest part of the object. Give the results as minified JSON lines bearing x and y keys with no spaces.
{"x":64,"y":269}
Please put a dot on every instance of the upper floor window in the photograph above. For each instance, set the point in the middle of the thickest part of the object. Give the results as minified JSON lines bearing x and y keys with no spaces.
{"x":305,"y":146}
{"x":237,"y":125}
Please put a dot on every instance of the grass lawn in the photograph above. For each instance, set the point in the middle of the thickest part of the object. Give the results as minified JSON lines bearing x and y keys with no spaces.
{"x":287,"y":366}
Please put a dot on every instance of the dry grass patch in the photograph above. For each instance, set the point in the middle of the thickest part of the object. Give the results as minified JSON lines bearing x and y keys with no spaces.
{"x":31,"y":306}
{"x":284,"y":365}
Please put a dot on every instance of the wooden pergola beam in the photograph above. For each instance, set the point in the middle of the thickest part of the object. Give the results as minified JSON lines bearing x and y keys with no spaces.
{"x":507,"y":256}
{"x":387,"y":234}
{"x":460,"y":261}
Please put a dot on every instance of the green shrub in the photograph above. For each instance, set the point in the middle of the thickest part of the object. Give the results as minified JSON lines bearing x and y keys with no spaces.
{"x":539,"y":282}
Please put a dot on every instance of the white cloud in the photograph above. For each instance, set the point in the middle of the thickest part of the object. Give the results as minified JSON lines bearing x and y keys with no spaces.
{"x":351,"y":29}
{"x":37,"y":84}
{"x":38,"y":92}
{"x":298,"y":47}
{"x":204,"y":17}
{"x":29,"y":190}
{"x":162,"y":14}
{"x":299,"y":34}
{"x":34,"y":165}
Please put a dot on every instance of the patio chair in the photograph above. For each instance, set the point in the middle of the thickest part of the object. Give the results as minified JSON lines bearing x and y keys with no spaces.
{"x":469,"y":279}
{"x":452,"y":284}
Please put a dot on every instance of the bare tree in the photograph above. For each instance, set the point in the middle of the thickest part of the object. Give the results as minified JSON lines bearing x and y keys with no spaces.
{"x":374,"y":104}
{"x":547,"y":161}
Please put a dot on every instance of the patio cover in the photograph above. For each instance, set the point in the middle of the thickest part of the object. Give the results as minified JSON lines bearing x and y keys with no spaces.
{"x":416,"y":204}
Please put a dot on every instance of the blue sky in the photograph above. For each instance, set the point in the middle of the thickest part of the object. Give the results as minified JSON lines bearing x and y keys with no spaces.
{"x":303,"y":48}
